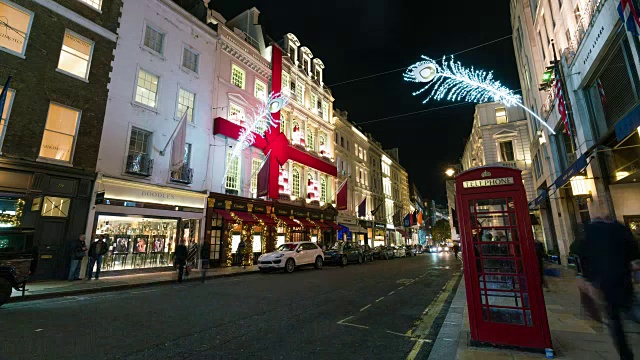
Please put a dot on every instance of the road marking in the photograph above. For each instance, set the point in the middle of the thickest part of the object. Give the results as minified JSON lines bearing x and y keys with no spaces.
{"x":37,"y":330}
{"x":380,"y":299}
{"x":409,"y":336}
{"x":143,"y":291}
{"x":400,"y":287}
{"x":391,"y":293}
{"x":364,"y":308}
{"x":428,"y":316}
{"x":342,"y":322}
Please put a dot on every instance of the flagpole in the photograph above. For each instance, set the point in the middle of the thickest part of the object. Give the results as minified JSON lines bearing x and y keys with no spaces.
{"x":567,"y":100}
{"x":261,"y":165}
{"x":183,"y":118}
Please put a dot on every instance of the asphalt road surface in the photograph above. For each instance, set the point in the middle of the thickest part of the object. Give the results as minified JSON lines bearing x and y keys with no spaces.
{"x":382,"y":310}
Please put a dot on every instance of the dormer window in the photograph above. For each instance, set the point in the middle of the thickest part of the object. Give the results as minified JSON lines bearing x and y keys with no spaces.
{"x":305,"y":64}
{"x":292,"y":53}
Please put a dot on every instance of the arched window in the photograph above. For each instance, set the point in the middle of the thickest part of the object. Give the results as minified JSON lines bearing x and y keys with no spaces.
{"x":322,"y":145}
{"x":283,"y":126}
{"x":323,"y":189}
{"x":295,"y":182}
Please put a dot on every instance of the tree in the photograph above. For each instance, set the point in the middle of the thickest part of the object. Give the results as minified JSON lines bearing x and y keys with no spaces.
{"x":441,"y":231}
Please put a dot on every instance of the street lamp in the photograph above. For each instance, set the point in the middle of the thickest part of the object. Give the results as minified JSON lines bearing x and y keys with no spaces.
{"x":450,"y":172}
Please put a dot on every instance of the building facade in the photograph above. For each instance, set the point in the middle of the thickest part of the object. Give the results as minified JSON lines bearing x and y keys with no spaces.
{"x":588,"y":168}
{"x":59,"y":55}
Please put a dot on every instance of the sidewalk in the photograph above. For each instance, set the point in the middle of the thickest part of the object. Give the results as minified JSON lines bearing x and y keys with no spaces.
{"x":51,"y":289}
{"x":573,"y":335}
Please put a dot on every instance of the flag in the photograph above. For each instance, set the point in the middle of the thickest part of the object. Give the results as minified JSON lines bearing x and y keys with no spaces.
{"x":263,"y":177}
{"x":362,"y":208}
{"x":419,"y":220}
{"x":341,"y":197}
{"x":603,"y":97}
{"x":178,"y":148}
{"x":562,"y":109}
{"x":408,"y":220}
{"x":375,"y":211}
{"x":628,"y":12}
{"x":396,"y":219}
{"x":3,"y":96}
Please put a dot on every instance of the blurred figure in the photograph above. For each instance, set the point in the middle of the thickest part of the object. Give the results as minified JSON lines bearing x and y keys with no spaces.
{"x":456,"y":249}
{"x":240,"y":252}
{"x":77,"y":251}
{"x":540,"y":255}
{"x":180,"y":259}
{"x":97,"y":249}
{"x":205,"y":254}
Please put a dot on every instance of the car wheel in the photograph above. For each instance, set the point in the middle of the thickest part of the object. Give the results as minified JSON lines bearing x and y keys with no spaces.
{"x":318,"y":263}
{"x":344,"y":261}
{"x":360,"y":259}
{"x":290,"y":265}
{"x":5,"y":291}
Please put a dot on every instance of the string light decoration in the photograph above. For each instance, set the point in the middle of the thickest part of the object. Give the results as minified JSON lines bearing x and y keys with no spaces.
{"x":16,"y":219}
{"x":259,"y":121}
{"x":451,"y":80}
{"x":263,"y":233}
{"x":227,"y":233}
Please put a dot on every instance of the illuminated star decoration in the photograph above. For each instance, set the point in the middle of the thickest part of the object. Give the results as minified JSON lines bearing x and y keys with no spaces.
{"x":259,"y":121}
{"x":451,"y":80}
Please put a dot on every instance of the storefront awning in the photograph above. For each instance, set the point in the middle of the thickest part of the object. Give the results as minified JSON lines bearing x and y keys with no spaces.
{"x":266,"y":219}
{"x":225,"y":215}
{"x":306,"y":223}
{"x":575,"y":168}
{"x":322,"y":225}
{"x":288,"y":221}
{"x":356,"y":229}
{"x":535,"y":203}
{"x":628,"y":124}
{"x":245,"y":217}
{"x":333,"y":225}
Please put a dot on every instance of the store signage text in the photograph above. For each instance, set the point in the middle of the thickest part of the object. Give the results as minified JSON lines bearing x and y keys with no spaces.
{"x":593,"y":45}
{"x":158,"y":195}
{"x":488,"y":182}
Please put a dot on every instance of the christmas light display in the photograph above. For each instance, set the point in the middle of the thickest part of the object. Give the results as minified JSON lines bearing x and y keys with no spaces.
{"x":451,"y":80}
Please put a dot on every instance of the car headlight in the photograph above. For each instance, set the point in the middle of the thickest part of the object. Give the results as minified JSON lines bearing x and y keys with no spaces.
{"x":278,"y":256}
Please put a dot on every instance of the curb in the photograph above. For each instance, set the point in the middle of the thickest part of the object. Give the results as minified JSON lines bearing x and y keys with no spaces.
{"x":446,"y":345}
{"x":51,"y":295}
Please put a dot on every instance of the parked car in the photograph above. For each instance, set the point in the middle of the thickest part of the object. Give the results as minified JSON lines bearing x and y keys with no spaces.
{"x":344,"y":252}
{"x":16,"y":260}
{"x":290,"y":255}
{"x":367,"y":251}
{"x":411,"y":251}
{"x":383,"y":252}
{"x":399,"y":251}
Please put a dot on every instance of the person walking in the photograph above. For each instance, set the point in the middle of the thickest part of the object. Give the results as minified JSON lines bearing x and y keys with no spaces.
{"x":205,"y":253}
{"x":606,"y":254}
{"x":97,"y":250}
{"x":180,"y":259}
{"x":540,"y":256}
{"x":240,"y":252}
{"x":456,"y":249}
{"x":77,"y":251}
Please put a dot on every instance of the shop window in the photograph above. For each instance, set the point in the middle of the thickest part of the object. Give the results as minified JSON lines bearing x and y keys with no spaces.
{"x":501,"y":115}
{"x":55,"y":206}
{"x":236,"y":113}
{"x":5,"y":114}
{"x":232,"y":182}
{"x":190,"y":60}
{"x":260,"y":90}
{"x":75,"y":56}
{"x":59,"y":135}
{"x":17,"y":26}
{"x":147,"y":89}
{"x":295,"y":182}
{"x":255,"y":168}
{"x":506,"y":151}
{"x":216,"y":238}
{"x":12,"y":243}
{"x":186,"y":102}
{"x":154,"y":39}
{"x":96,"y":4}
{"x":237,"y":76}
{"x":257,"y":243}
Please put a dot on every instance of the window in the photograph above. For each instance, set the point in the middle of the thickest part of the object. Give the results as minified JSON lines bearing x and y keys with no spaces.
{"x":186,"y":100}
{"x":323,"y":189}
{"x":154,"y":40}
{"x":236,"y":113}
{"x":255,"y":167}
{"x":59,"y":133}
{"x":55,"y":206}
{"x":553,"y":19}
{"x":147,"y":89}
{"x":314,"y":101}
{"x":544,"y":57}
{"x":139,"y":142}
{"x":15,"y":33}
{"x":237,"y":76}
{"x":286,"y":83}
{"x":310,"y":139}
{"x":325,"y":111}
{"x":299,"y":93}
{"x":5,"y":114}
{"x":567,"y":34}
{"x":576,"y":13}
{"x":96,"y":4}
{"x":559,"y":4}
{"x":260,"y":90}
{"x":190,"y":60}
{"x":75,"y":56}
{"x":506,"y":151}
{"x":501,"y":115}
{"x":537,"y":166}
{"x":232,"y":182}
{"x":356,"y":149}
{"x":283,"y":127}
{"x":295,"y":182}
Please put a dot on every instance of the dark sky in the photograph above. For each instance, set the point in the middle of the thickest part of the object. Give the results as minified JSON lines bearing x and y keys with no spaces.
{"x":357,"y":38}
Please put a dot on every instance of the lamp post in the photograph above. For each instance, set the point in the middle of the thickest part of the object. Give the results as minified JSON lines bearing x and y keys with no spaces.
{"x":453,"y":170}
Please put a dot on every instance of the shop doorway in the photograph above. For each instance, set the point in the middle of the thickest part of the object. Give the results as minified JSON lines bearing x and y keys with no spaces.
{"x":54,"y":255}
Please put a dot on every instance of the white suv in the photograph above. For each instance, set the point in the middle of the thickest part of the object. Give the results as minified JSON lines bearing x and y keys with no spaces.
{"x":289,"y":255}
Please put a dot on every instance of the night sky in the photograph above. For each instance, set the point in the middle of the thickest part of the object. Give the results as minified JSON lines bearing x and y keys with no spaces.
{"x":358,"y":38}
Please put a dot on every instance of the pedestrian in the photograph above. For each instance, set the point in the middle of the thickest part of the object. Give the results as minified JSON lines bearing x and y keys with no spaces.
{"x":97,"y":250}
{"x":77,"y":252}
{"x":191,"y":258}
{"x":456,"y":249}
{"x":540,"y":253}
{"x":180,"y":259}
{"x":606,"y":255}
{"x":205,"y":253}
{"x":240,"y":252}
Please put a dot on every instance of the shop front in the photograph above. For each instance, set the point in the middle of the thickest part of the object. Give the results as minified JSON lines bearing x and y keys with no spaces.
{"x":142,"y":224}
{"x":367,"y":227}
{"x":378,"y":234}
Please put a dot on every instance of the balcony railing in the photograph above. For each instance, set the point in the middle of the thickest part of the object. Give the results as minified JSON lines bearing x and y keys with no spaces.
{"x":139,"y":164}
{"x":184,"y":175}
{"x":586,"y":17}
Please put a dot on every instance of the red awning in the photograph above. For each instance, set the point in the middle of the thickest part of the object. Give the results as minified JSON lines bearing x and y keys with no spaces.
{"x":403,"y":233}
{"x":266,"y":219}
{"x":333,"y":225}
{"x":245,"y":217}
{"x":306,"y":223}
{"x":322,"y":225}
{"x":288,"y":221}
{"x":225,"y":215}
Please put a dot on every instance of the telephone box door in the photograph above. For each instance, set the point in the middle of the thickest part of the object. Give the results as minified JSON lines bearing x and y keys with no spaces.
{"x":506,"y":304}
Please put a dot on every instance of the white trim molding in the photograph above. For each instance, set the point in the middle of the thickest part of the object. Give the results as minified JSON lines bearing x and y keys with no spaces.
{"x":61,"y":10}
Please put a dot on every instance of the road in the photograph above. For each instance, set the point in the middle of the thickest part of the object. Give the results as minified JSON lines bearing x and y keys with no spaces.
{"x":371,"y":311}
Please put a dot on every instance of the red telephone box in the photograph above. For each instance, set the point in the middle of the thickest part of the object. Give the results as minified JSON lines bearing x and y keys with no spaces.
{"x":504,"y":292}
